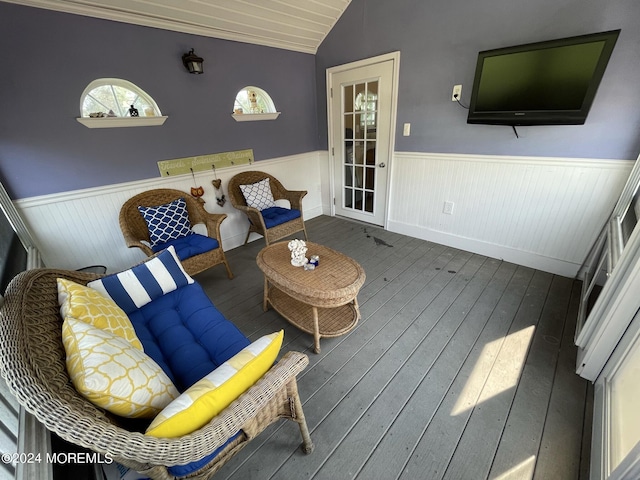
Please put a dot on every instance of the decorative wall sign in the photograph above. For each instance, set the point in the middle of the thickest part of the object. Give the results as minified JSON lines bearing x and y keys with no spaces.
{"x":201,"y":163}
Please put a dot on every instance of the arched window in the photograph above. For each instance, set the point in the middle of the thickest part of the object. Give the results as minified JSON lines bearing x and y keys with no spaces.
{"x":114,"y":97}
{"x":253,"y":100}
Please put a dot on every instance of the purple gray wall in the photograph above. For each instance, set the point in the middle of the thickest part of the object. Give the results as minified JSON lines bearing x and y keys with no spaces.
{"x":439,"y":42}
{"x":48,"y":58}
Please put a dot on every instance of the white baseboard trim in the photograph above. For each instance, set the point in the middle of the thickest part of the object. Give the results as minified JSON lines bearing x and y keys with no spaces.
{"x":527,"y":259}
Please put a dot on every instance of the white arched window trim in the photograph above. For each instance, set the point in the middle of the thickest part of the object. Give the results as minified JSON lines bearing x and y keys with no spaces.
{"x":262,"y":109}
{"x":149,"y":116}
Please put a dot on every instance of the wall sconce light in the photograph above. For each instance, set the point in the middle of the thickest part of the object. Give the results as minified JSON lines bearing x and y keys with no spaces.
{"x":192,"y":62}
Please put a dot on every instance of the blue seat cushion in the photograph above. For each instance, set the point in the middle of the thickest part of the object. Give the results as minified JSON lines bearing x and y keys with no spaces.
{"x":277,"y":215}
{"x":184,"y":470}
{"x":186,"y":334}
{"x":187,"y":247}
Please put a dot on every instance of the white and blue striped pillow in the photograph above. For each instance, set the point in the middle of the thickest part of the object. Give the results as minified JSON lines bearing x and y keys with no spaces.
{"x":143,"y":283}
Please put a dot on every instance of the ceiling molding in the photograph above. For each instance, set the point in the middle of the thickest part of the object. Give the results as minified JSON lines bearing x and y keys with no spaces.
{"x":297,"y":25}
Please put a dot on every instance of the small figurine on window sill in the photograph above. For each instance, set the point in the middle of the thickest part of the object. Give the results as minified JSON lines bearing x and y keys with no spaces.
{"x":253,"y":101}
{"x":133,"y":111}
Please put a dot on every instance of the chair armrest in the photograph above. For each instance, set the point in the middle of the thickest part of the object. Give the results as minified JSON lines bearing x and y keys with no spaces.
{"x":250,"y":403}
{"x":295,"y":198}
{"x":135,"y":243}
{"x":249,"y":407}
{"x":254,"y":215}
{"x":281,"y":373}
{"x":213,"y":221}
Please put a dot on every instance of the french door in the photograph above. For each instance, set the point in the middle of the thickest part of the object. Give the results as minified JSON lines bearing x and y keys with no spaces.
{"x":361,"y":104}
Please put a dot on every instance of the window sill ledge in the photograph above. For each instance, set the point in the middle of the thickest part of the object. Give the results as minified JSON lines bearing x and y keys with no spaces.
{"x":252,"y":117}
{"x":113,"y":122}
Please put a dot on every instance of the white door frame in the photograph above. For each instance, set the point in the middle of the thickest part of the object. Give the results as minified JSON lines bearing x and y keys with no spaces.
{"x":618,"y":301}
{"x":395,"y":57}
{"x":604,"y":404}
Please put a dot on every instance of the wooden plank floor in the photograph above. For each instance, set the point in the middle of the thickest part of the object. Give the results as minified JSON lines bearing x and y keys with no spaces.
{"x":462,"y":367}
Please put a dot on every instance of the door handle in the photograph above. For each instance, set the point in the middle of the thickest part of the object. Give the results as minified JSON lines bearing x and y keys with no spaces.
{"x":381,"y":165}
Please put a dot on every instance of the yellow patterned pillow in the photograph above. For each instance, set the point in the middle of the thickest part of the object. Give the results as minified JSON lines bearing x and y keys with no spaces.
{"x":208,"y":397}
{"x":90,"y":306}
{"x":112,"y":374}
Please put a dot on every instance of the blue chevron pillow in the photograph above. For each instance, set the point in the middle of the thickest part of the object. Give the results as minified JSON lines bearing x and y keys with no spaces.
{"x":167,"y":222}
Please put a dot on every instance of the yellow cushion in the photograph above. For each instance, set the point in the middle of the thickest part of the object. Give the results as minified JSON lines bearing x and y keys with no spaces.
{"x":208,"y":397}
{"x":112,"y":374}
{"x":90,"y":306}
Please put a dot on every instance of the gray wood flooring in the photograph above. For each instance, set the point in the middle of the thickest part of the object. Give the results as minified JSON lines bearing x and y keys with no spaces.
{"x":462,"y":367}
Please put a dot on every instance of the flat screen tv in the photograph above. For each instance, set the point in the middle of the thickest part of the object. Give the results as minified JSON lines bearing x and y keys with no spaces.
{"x":545,"y":83}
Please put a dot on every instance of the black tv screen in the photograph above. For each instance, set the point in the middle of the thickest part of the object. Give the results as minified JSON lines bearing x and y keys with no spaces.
{"x":545,"y":83}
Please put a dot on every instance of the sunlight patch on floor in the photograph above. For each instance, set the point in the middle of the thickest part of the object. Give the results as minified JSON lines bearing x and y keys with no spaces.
{"x":522,"y":470}
{"x":497,"y":370}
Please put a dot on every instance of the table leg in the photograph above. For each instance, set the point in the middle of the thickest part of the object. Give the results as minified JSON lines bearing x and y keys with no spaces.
{"x":316,"y":330}
{"x":265,"y":298}
{"x":355,"y":305}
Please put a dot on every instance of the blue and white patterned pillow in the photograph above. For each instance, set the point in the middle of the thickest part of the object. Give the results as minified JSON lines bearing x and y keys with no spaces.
{"x":167,"y":222}
{"x":258,"y":195}
{"x":143,"y":283}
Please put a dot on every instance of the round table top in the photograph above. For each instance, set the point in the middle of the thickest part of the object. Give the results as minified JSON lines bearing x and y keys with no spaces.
{"x":336,"y":277}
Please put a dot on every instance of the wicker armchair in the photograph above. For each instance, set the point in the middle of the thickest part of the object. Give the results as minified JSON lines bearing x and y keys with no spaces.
{"x":256,"y":220}
{"x":32,"y":359}
{"x":135,"y":231}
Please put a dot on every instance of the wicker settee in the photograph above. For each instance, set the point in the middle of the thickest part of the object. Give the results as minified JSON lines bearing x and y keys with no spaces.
{"x":33,"y":363}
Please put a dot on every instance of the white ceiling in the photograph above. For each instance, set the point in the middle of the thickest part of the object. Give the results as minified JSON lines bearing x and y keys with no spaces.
{"x":298,"y":25}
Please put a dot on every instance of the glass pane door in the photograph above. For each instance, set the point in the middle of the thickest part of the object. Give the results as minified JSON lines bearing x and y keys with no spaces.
{"x":361,"y":117}
{"x":360,"y":114}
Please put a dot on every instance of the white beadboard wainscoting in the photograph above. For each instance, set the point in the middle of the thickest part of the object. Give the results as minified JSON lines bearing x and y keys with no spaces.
{"x":539,"y":212}
{"x":80,"y":228}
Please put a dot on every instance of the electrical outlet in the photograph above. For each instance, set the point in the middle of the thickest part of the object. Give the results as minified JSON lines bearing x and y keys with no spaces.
{"x":457,"y":92}
{"x":406,"y":131}
{"x":448,"y":208}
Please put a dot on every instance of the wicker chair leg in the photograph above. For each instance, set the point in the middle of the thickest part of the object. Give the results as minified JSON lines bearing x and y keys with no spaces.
{"x":248,"y":233}
{"x":297,"y":415}
{"x":307,"y":444}
{"x":229,"y":272}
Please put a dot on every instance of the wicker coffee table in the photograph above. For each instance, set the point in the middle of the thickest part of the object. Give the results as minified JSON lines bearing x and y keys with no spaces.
{"x":323,"y":301}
